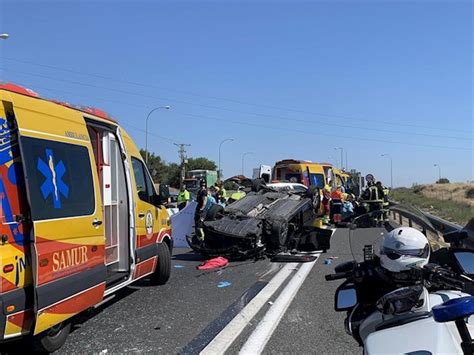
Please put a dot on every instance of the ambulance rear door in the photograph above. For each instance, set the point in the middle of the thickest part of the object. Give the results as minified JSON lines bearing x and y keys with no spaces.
{"x":69,"y":270}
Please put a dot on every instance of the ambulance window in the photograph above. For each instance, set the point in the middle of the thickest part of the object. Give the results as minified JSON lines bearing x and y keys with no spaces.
{"x":59,"y":179}
{"x":317,"y":179}
{"x":144,"y":184}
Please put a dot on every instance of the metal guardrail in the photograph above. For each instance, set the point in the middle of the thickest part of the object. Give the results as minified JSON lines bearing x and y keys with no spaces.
{"x":441,"y":224}
{"x":434,"y":230}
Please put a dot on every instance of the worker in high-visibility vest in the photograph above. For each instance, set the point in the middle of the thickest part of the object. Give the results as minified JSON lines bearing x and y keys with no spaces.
{"x":386,"y":192}
{"x":221,"y":193}
{"x":183,"y":197}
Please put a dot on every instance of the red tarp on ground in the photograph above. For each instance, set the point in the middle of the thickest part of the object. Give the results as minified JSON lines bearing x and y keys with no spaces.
{"x":213,"y":263}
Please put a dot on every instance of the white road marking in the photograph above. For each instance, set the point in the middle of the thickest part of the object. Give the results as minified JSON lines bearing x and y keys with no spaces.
{"x":261,"y":335}
{"x":227,"y":336}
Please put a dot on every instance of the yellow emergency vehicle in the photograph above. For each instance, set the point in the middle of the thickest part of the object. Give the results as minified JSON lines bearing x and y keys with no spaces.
{"x":301,"y":171}
{"x":80,"y":215}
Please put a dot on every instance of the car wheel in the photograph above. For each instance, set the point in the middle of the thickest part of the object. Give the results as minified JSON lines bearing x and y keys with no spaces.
{"x":163,"y":269}
{"x":52,"y":339}
{"x":257,"y":185}
{"x":314,"y":194}
{"x":214,"y":212}
{"x":279,"y":234}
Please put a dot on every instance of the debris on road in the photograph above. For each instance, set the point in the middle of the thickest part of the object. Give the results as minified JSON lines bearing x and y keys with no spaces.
{"x":214,"y":263}
{"x":293,"y":258}
{"x":223,"y":284}
{"x":178,"y":266}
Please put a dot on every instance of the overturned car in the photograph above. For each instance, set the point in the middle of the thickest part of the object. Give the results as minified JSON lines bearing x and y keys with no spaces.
{"x":270,"y":219}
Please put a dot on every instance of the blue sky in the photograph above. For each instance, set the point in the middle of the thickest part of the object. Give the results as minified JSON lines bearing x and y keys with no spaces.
{"x":285,"y":79}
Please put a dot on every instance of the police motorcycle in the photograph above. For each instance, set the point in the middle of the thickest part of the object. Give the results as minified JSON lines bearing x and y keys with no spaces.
{"x":414,"y":295}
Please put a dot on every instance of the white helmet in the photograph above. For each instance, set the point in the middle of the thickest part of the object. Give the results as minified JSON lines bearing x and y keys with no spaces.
{"x":404,"y":248}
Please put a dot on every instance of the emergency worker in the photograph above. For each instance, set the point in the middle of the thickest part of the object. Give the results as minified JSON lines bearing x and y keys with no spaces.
{"x":386,"y":192}
{"x":200,"y":213}
{"x":326,"y":202}
{"x":221,"y":193}
{"x":183,"y":197}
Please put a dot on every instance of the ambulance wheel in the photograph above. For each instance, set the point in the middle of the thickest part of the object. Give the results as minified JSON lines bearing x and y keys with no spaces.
{"x":163,"y":269}
{"x":52,"y":339}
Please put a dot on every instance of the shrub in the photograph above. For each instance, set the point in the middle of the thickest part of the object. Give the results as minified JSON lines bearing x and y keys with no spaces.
{"x":443,"y":181}
{"x":418,"y":188}
{"x":470,"y":193}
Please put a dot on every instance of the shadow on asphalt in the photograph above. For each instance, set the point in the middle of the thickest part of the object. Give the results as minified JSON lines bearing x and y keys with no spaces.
{"x":189,"y":256}
{"x":21,"y":346}
{"x":92,"y":312}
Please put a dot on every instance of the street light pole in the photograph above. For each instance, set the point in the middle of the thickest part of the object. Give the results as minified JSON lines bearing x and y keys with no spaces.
{"x":146,"y":130}
{"x":243,"y":158}
{"x":391,"y":168}
{"x":220,"y":145}
{"x":342,"y":156}
{"x":439,"y":171}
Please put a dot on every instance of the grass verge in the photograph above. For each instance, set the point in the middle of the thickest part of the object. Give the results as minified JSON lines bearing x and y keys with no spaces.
{"x":452,"y":211}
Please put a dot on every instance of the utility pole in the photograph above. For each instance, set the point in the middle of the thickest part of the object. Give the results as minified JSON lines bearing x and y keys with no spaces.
{"x":182,"y":156}
{"x":439,"y":172}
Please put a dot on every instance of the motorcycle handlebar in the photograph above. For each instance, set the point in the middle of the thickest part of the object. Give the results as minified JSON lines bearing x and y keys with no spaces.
{"x":447,"y":281}
{"x":338,"y":276}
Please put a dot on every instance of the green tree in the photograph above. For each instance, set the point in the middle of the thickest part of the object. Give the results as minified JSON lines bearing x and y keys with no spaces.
{"x":157,"y":166}
{"x":173,"y":175}
{"x":170,"y":173}
{"x":200,"y":163}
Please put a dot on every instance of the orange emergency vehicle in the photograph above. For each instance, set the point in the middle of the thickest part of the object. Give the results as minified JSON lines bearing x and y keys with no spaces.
{"x":80,"y":215}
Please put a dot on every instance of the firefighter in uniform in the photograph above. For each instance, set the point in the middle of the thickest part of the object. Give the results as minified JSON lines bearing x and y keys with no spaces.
{"x":386,"y":192}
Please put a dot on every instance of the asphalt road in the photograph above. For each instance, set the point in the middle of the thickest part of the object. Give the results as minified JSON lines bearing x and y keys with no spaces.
{"x":184,"y":315}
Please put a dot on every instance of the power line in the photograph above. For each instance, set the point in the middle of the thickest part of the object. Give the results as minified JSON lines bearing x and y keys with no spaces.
{"x":249,"y":113}
{"x":168,"y":140}
{"x":305,"y":132}
{"x":231,"y":100}
{"x":286,"y":129}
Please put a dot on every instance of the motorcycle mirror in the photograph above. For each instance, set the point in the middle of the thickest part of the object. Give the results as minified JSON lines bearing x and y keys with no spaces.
{"x":401,"y":300}
{"x":345,"y":297}
{"x":455,"y":237}
{"x":465,"y":260}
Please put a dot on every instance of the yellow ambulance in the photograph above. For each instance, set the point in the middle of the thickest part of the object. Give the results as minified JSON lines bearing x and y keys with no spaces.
{"x":301,"y":171}
{"x":80,"y":215}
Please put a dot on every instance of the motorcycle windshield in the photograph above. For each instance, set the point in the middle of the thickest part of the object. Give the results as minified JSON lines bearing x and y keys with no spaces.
{"x":367,"y":230}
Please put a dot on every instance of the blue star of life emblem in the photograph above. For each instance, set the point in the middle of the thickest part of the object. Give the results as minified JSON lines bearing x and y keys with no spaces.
{"x":53,"y":185}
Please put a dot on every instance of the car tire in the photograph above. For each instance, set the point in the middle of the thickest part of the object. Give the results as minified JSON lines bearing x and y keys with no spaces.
{"x":163,"y":269}
{"x":52,"y":339}
{"x":279,"y":234}
{"x":315,"y":196}
{"x":214,"y":212}
{"x":257,"y":185}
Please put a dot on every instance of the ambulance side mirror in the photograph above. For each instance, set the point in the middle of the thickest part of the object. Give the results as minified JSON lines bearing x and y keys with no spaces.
{"x":163,"y":195}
